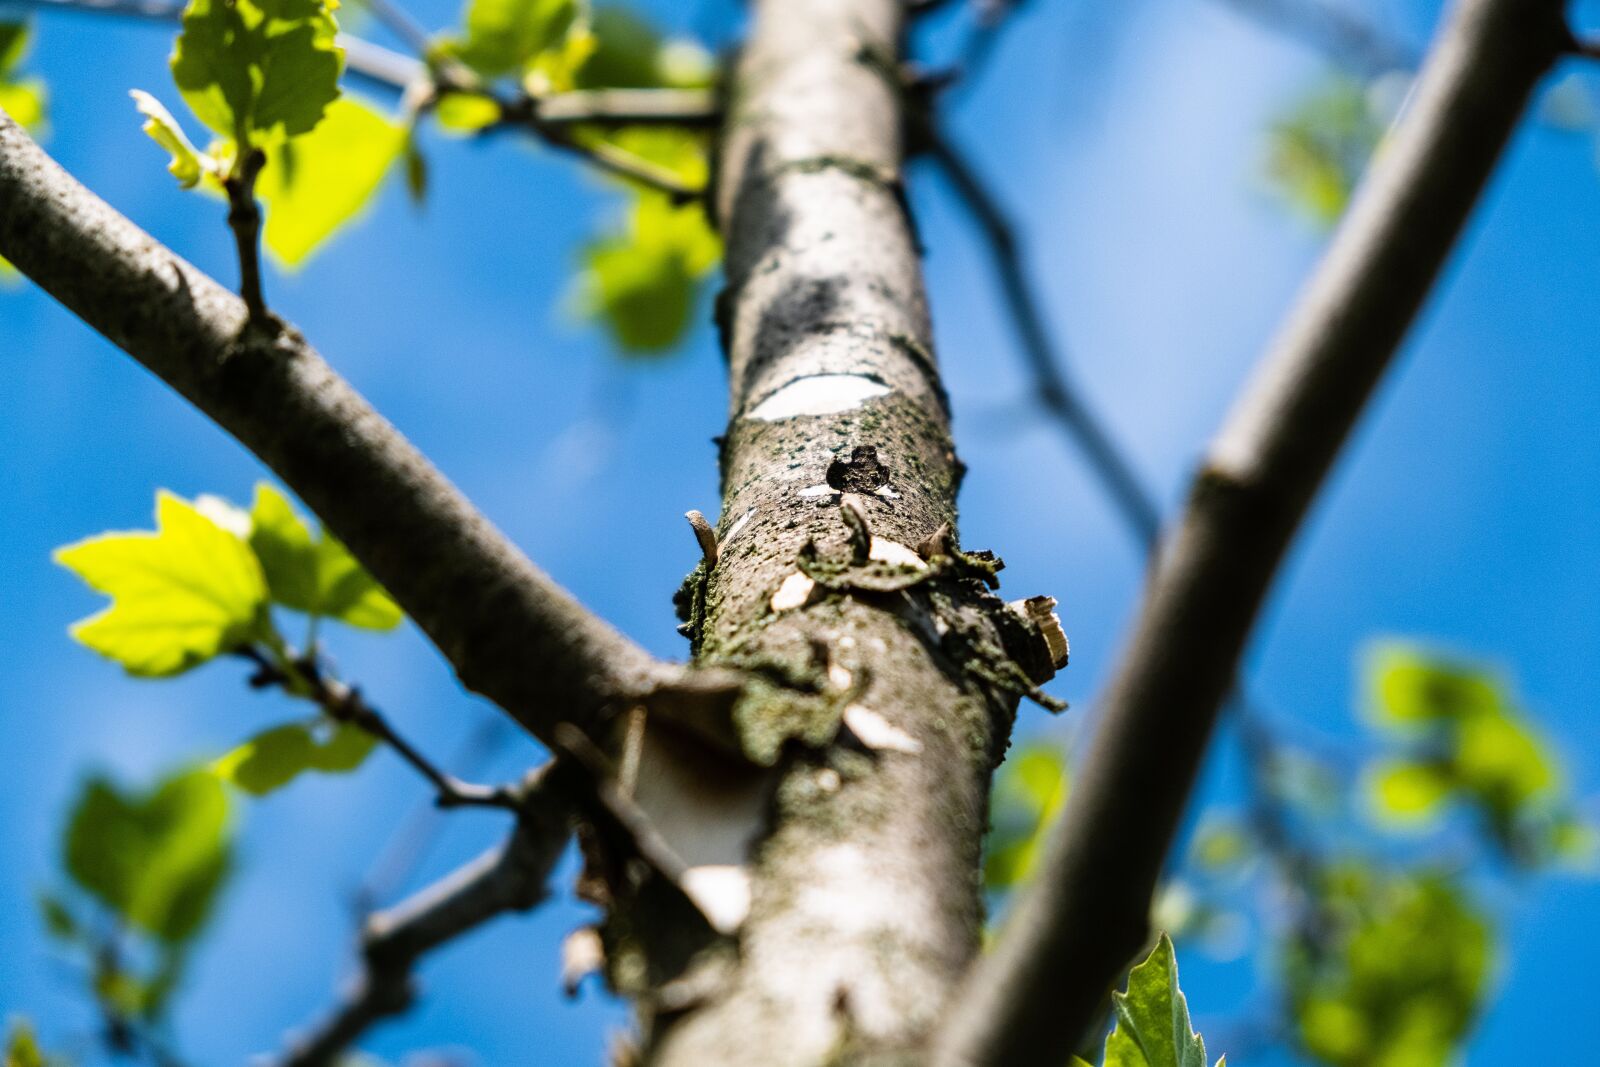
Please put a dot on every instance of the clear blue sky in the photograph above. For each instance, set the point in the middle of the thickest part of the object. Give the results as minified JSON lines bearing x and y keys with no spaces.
{"x":1127,"y":138}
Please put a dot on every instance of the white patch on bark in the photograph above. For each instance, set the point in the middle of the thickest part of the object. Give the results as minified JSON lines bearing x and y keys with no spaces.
{"x":821,"y":489}
{"x":721,"y":892}
{"x":878,"y":733}
{"x":818,"y":394}
{"x":733,"y":531}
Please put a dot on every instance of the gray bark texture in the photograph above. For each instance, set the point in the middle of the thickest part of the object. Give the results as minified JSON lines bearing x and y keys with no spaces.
{"x":865,"y":897}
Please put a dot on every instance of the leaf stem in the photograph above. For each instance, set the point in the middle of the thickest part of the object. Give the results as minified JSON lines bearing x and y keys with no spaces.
{"x":244,"y":218}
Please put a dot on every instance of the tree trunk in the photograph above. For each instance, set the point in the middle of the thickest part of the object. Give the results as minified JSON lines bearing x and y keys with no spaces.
{"x":865,"y":904}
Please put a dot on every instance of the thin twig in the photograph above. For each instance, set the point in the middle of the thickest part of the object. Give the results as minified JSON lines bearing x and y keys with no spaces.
{"x":401,"y":24}
{"x":1030,"y":1000}
{"x":510,"y":877}
{"x":244,"y":219}
{"x":1055,"y":390}
{"x":307,"y":677}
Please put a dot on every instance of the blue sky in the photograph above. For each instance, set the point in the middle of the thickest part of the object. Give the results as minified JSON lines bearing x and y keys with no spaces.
{"x":1127,"y":140}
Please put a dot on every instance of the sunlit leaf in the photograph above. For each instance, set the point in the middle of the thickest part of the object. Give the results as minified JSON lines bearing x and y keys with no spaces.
{"x":22,"y":1048}
{"x":21,"y":98}
{"x":629,"y":53}
{"x":257,"y":70}
{"x":318,"y":577}
{"x":466,"y":112}
{"x":1318,"y":149}
{"x":180,"y":595}
{"x":156,"y":859}
{"x":317,"y":183}
{"x":1153,"y":1028}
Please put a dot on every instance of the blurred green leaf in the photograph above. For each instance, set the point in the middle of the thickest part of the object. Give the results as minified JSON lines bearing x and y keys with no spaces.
{"x":21,"y":98}
{"x":1029,"y":790}
{"x":1152,"y":1016}
{"x":466,"y":112}
{"x":317,"y":577}
{"x":503,"y":35}
{"x":643,"y":283}
{"x":180,"y":595}
{"x":630,"y":54}
{"x":315,"y":184}
{"x":258,"y":70}
{"x":1398,"y":978}
{"x":156,"y":859}
{"x":1318,"y":149}
{"x":1410,"y":686}
{"x":59,"y":921}
{"x":22,"y":1048}
{"x":275,"y":757}
{"x":1404,"y":791}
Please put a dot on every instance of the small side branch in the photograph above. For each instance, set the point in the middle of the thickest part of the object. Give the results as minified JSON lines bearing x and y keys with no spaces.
{"x":1056,"y":392}
{"x":511,"y":877}
{"x":1031,"y":999}
{"x":485,"y":605}
{"x":244,"y":219}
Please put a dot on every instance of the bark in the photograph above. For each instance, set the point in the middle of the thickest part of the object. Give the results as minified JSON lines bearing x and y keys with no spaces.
{"x":1032,"y":998}
{"x":865,"y":899}
{"x":511,"y":633}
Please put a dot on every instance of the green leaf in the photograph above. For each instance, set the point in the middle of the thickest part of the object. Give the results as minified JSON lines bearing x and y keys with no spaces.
{"x":180,"y":595}
{"x":317,"y":183}
{"x":1399,"y":973}
{"x":1498,"y":758}
{"x":274,"y":758}
{"x":317,"y":577}
{"x":156,"y":859}
{"x":1410,"y":687}
{"x":1153,"y":1018}
{"x":22,"y":99}
{"x":188,"y":163}
{"x":503,"y":35}
{"x":1403,"y":791}
{"x":1319,"y":148}
{"x":642,"y":283}
{"x":466,"y":112}
{"x":25,"y":102}
{"x":22,"y":1048}
{"x":629,"y":53}
{"x":257,"y":70}
{"x":1031,"y":788}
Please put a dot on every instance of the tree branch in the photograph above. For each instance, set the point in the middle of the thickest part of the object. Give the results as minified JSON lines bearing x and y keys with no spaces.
{"x":511,"y":633}
{"x":1031,"y":999}
{"x":1056,"y":390}
{"x":508,"y":878}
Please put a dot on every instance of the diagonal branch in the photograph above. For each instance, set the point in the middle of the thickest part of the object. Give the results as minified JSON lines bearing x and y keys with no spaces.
{"x":511,"y":633}
{"x":510,"y":877}
{"x":1031,"y":1000}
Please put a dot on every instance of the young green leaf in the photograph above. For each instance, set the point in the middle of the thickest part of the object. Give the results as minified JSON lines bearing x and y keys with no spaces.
{"x":317,"y":577}
{"x":21,"y":98}
{"x":1030,"y":790}
{"x":258,"y":70}
{"x":315,"y":184}
{"x":1411,"y":687}
{"x":180,"y":595}
{"x":1406,"y":792}
{"x":274,"y":758}
{"x":503,"y":35}
{"x":1152,"y":1016}
{"x":630,"y":54}
{"x":188,"y":164}
{"x":156,"y":859}
{"x":643,"y":282}
{"x":22,"y":1048}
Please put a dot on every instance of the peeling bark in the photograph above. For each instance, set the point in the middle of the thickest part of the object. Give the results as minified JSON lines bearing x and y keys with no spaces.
{"x":885,"y":688}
